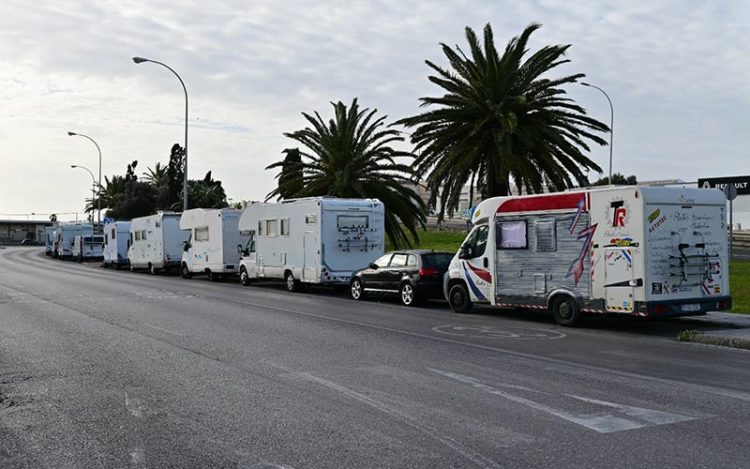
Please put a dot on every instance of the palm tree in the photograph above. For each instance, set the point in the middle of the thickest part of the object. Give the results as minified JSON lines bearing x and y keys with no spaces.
{"x":351,"y":157}
{"x":156,"y":175}
{"x":501,"y":120}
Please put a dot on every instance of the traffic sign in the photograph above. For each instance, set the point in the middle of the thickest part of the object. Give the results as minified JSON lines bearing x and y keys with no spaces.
{"x":730,"y":191}
{"x":740,"y":183}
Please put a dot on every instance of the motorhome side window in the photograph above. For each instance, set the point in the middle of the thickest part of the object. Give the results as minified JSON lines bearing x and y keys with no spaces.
{"x":114,"y":236}
{"x":284,"y":228}
{"x":546,"y":236}
{"x":271,"y":227}
{"x":512,"y":235}
{"x":138,"y":235}
{"x":350,"y":221}
{"x":201,"y":233}
{"x":311,"y":219}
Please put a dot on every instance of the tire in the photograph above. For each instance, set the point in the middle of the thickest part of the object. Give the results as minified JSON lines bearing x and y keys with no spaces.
{"x":407,"y":294}
{"x":566,"y":312}
{"x":357,"y":290}
{"x":213,"y":277}
{"x":152,"y":269}
{"x":244,"y":277}
{"x":132,"y":269}
{"x":459,"y":299}
{"x":184,"y":272}
{"x":292,"y":285}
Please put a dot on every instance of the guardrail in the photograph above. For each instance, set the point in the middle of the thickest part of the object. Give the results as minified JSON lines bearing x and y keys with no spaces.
{"x":741,"y":239}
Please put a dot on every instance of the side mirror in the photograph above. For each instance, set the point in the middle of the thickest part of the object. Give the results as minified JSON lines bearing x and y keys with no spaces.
{"x":186,"y":248}
{"x":239,"y":249}
{"x":373,"y":266}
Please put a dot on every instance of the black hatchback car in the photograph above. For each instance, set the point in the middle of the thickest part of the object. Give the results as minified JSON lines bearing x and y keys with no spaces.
{"x":412,"y":274}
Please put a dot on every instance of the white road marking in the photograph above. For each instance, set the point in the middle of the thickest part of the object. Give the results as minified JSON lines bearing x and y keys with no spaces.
{"x":476,"y":458}
{"x":134,"y":405}
{"x":163,"y":330}
{"x":138,"y":457}
{"x":602,"y":423}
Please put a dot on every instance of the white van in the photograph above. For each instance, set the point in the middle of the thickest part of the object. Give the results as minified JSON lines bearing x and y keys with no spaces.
{"x":89,"y":247}
{"x":642,"y":251}
{"x":314,"y":240}
{"x":156,"y":242}
{"x":213,"y":238}
{"x":65,"y":236}
{"x":116,"y":237}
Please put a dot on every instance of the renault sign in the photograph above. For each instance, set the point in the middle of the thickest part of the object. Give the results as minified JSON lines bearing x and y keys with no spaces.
{"x":740,"y":183}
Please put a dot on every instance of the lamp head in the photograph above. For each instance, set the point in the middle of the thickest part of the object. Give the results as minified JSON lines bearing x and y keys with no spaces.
{"x":585,"y":84}
{"x":72,"y":133}
{"x":139,"y":60}
{"x":73,"y":166}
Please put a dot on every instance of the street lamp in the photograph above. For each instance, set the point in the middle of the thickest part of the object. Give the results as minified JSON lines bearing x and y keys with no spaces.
{"x":99,"y":185}
{"x":139,"y":60}
{"x":611,"y":125}
{"x":93,"y":179}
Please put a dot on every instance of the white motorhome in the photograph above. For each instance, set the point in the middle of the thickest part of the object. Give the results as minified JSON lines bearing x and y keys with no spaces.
{"x":213,"y":240}
{"x":65,"y":236}
{"x":49,"y":239}
{"x":116,"y":237}
{"x":156,"y":242}
{"x":643,"y":251}
{"x":314,"y":240}
{"x":89,"y":247}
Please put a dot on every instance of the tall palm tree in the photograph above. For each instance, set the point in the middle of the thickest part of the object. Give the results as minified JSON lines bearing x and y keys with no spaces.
{"x":501,"y":119}
{"x":156,"y":175}
{"x":351,"y":156}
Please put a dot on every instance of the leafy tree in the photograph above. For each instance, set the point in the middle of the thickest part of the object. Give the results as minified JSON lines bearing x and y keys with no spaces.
{"x":350,"y":157}
{"x":618,"y":180}
{"x":501,"y":119}
{"x":206,"y":193}
{"x":291,"y":176}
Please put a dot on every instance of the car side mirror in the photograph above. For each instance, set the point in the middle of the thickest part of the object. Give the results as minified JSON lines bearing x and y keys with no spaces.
{"x":373,"y":266}
{"x":239,"y":249}
{"x":186,"y":248}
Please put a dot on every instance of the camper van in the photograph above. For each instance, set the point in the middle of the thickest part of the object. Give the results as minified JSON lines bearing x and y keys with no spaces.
{"x":49,"y":239}
{"x":313,"y":240}
{"x":213,"y":237}
{"x":116,"y":237}
{"x":88,"y":247}
{"x":643,"y":251}
{"x":156,"y":242}
{"x":65,"y":236}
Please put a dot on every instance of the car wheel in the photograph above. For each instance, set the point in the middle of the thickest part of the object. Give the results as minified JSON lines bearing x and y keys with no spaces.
{"x":132,"y":269}
{"x":408,"y":294}
{"x":185,"y":272}
{"x":292,"y":285}
{"x":213,"y":277}
{"x":152,"y":269}
{"x":244,"y":277}
{"x":357,"y":289}
{"x":566,"y":312}
{"x":459,"y":298}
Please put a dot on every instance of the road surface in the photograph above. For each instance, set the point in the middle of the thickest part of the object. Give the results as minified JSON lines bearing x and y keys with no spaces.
{"x":105,"y":368}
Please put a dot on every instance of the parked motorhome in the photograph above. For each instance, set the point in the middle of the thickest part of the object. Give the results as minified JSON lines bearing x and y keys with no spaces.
{"x":213,"y":237}
{"x":88,"y":247}
{"x":116,"y":237}
{"x":65,"y":236}
{"x":644,"y":251}
{"x":49,"y":239}
{"x":313,"y":240}
{"x":156,"y":242}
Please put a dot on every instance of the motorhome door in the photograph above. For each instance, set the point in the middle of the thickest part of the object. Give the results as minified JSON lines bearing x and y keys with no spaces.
{"x":310,"y":266}
{"x":618,"y":283}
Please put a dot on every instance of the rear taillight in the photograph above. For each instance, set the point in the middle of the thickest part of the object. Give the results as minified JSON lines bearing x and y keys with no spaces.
{"x":659,"y":309}
{"x":721,"y":305}
{"x":428,"y":271}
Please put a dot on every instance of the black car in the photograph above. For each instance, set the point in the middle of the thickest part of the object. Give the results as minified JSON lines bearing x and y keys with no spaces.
{"x":412,"y":274}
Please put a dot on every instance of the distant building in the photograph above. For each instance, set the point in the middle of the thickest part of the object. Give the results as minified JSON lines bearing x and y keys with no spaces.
{"x":15,"y":231}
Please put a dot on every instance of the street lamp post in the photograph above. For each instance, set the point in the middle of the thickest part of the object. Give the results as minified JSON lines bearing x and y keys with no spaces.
{"x":611,"y":125}
{"x":93,"y":179}
{"x":99,"y":184}
{"x":139,"y":60}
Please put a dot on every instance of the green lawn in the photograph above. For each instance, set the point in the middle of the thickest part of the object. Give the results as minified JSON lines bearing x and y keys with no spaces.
{"x":739,"y":271}
{"x":739,"y":285}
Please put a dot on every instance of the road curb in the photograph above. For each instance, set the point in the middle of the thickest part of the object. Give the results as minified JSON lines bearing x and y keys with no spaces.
{"x":717,"y":339}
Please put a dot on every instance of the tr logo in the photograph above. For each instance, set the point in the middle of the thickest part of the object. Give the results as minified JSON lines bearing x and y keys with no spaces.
{"x":620,"y":212}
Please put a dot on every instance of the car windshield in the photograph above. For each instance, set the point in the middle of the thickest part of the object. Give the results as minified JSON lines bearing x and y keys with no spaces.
{"x":438,"y":259}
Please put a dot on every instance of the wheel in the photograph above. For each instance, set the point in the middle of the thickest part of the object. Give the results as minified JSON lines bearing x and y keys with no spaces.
{"x":80,"y":259}
{"x":152,"y":269}
{"x":357,"y":289}
{"x":185,"y":272}
{"x":565,"y":310}
{"x":408,"y":294}
{"x":459,"y":298}
{"x":292,"y":285}
{"x":132,"y":269}
{"x":244,"y":277}
{"x":213,"y":277}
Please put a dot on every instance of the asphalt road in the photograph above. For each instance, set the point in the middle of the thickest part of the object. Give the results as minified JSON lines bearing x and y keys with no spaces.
{"x":104,"y":368}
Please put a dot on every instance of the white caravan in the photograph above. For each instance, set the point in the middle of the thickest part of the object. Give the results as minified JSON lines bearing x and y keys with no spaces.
{"x":65,"y":236}
{"x":49,"y":239}
{"x":116,"y":237}
{"x":313,"y":240}
{"x":213,"y":238}
{"x":89,"y":247}
{"x":156,"y":242}
{"x":643,"y":251}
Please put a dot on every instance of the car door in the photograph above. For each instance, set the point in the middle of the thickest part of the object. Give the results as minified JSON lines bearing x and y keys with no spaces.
{"x":374,"y":278}
{"x":394,"y":273}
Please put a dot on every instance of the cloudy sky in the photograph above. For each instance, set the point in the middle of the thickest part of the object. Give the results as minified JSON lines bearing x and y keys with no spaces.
{"x":678,"y":73}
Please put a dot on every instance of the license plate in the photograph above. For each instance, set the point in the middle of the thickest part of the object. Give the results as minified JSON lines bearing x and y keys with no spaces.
{"x":691,"y":307}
